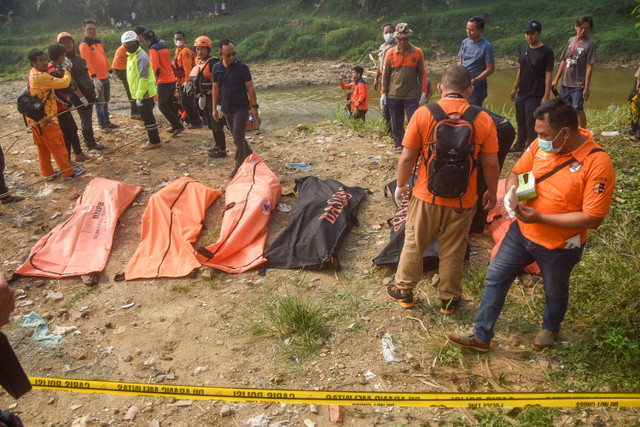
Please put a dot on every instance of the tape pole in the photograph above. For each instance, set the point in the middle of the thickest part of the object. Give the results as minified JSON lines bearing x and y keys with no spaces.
{"x":356,"y":398}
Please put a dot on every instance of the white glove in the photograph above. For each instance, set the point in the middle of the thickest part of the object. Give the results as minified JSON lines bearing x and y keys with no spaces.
{"x":97,"y":83}
{"x":185,"y":87}
{"x":139,"y":102}
{"x":202,"y":103}
{"x":510,"y":201}
{"x":68,"y":64}
{"x":423,"y":98}
{"x":383,"y":101}
{"x":84,"y":100}
{"x":399,"y":195}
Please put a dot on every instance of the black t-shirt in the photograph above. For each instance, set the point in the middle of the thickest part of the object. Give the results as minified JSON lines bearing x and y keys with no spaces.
{"x":533,"y":64}
{"x":233,"y":91}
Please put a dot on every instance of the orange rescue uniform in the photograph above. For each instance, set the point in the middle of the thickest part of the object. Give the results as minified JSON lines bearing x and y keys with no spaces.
{"x":584,"y":186}
{"x":48,"y":136}
{"x":404,"y":76}
{"x":120,"y":59}
{"x":418,"y":136}
{"x":359,"y":94}
{"x":183,"y":62}
{"x":93,"y":53}
{"x":161,"y":63}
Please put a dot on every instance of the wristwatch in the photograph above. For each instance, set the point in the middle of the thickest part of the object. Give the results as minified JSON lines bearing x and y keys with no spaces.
{"x":255,"y":106}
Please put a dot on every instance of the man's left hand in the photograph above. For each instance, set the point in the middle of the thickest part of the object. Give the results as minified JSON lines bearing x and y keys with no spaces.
{"x":585,"y":94}
{"x":489,"y":200}
{"x":254,"y":111}
{"x":527,"y":215}
{"x":401,"y":193}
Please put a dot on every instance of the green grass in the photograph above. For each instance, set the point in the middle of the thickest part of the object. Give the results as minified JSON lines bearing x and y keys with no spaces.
{"x":79,"y":296}
{"x":343,"y":29}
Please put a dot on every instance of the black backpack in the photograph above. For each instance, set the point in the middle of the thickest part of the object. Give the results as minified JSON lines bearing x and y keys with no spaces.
{"x":30,"y":106}
{"x":450,"y":160}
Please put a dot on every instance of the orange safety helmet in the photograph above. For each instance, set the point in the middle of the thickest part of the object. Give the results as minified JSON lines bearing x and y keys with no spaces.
{"x":203,"y":41}
{"x":63,"y":35}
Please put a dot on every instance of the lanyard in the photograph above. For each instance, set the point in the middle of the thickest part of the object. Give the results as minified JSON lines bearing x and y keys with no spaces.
{"x":573,"y":49}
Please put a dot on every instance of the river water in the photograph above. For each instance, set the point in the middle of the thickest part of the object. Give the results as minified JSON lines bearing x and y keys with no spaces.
{"x":289,"y":106}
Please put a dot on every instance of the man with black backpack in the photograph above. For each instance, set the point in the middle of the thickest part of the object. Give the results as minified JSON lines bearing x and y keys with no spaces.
{"x":449,"y":138}
{"x":574,"y":185}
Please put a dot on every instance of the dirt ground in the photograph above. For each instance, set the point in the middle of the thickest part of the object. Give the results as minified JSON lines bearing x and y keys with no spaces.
{"x":198,"y":331}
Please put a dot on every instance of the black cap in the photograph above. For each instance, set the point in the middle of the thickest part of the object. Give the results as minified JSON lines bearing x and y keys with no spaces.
{"x":149,"y":35}
{"x":533,"y":27}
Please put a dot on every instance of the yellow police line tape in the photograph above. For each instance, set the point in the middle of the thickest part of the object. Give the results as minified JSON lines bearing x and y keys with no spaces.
{"x":361,"y":398}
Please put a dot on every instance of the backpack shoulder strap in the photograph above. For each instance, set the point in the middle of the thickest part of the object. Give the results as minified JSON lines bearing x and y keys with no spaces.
{"x":436,"y":111}
{"x":471,"y":113}
{"x":563,"y":165}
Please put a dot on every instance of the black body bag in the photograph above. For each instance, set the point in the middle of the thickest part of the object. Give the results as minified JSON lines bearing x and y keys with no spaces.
{"x":323,"y":214}
{"x":390,"y":255}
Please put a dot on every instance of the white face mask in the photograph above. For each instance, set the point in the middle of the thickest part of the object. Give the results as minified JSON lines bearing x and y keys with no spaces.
{"x":178,"y":42}
{"x":388,"y":37}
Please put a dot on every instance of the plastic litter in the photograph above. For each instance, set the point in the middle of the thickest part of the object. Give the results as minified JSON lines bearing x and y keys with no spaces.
{"x":304,"y":167}
{"x":41,"y":333}
{"x":369,"y":375}
{"x":388,"y":349}
{"x":610,"y":133}
{"x":128,"y":305}
{"x":282,"y":207}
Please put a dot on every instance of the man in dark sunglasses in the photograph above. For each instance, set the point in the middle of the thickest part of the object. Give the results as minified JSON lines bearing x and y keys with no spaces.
{"x":233,"y":91}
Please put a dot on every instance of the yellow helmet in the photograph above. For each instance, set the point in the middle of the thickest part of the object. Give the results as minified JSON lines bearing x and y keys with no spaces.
{"x":203,"y":41}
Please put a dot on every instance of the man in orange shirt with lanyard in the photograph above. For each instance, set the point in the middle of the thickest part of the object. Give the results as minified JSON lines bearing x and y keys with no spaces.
{"x":574,"y":183}
{"x":183,"y":62}
{"x":429,"y":215}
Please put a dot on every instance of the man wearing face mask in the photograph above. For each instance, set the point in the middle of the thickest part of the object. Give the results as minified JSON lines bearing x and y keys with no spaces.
{"x":183,"y":62}
{"x":119,"y":66}
{"x":575,"y":181}
{"x":142,"y":83}
{"x":389,"y":42}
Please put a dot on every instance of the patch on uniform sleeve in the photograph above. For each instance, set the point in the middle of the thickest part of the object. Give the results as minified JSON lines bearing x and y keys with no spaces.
{"x":598,"y":187}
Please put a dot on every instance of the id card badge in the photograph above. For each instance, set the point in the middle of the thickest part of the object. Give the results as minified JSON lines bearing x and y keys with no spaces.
{"x":568,"y":63}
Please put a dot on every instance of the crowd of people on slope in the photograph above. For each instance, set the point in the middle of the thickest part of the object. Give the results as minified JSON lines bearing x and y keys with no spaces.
{"x":575,"y":177}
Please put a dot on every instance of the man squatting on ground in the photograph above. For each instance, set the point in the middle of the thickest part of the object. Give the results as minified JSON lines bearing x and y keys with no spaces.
{"x":92,"y":51}
{"x":429,"y":215}
{"x":233,"y":88}
{"x":476,"y":54}
{"x":532,"y":85}
{"x":47,"y":134}
{"x":142,"y":83}
{"x":84,"y":103}
{"x":551,"y":229}
{"x":358,"y":102}
{"x":389,"y":42}
{"x":404,"y":79}
{"x":165,"y":79}
{"x":575,"y":68}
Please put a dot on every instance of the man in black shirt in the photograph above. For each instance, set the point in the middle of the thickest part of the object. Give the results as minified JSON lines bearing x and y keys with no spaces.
{"x":533,"y":84}
{"x":233,"y":89}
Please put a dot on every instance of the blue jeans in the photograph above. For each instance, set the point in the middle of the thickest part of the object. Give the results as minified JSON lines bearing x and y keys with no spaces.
{"x":479,"y":94}
{"x":515,"y":253}
{"x":102,"y":106}
{"x":397,"y":109}
{"x":575,"y":95}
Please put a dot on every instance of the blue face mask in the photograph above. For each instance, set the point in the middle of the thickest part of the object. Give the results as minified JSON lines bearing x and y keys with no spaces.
{"x":388,"y":37}
{"x":547,"y":146}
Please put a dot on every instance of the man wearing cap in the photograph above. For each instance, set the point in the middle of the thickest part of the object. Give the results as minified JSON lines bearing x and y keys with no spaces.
{"x":389,"y":42}
{"x":92,"y":51}
{"x":404,"y":81}
{"x":533,"y":84}
{"x":80,"y":75}
{"x":575,"y":68}
{"x":166,"y":80}
{"x":142,"y":83}
{"x":476,"y":54}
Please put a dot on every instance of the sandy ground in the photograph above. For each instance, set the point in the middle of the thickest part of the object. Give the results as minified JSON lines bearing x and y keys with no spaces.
{"x":198,"y":331}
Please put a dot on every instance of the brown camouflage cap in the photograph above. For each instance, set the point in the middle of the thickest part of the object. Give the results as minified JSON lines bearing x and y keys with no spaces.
{"x":402,"y":30}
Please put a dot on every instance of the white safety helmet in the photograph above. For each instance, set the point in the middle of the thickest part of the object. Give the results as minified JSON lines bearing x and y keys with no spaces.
{"x":128,"y":36}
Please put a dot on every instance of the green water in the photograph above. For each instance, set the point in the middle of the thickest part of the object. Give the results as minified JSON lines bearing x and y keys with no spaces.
{"x":289,"y":106}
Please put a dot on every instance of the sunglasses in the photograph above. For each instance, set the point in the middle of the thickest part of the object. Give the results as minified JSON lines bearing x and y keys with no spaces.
{"x":229,"y":55}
